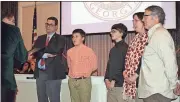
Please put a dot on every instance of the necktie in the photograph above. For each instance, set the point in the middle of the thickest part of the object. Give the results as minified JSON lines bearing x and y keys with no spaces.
{"x":46,"y":44}
{"x":47,"y":41}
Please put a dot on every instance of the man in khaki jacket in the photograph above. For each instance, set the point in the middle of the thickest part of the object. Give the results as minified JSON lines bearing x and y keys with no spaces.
{"x":158,"y":74}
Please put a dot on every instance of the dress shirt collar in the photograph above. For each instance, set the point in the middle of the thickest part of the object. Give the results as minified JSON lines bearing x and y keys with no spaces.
{"x":50,"y":35}
{"x":151,"y":31}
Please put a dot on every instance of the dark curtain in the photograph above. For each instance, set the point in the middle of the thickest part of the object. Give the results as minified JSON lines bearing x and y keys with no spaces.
{"x":176,"y":33}
{"x":10,"y":6}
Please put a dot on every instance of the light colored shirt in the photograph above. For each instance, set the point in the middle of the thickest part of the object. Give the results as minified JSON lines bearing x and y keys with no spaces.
{"x":159,"y":68}
{"x":45,"y":54}
{"x":81,"y":61}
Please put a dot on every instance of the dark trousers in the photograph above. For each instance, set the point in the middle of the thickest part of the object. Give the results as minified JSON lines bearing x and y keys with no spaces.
{"x":157,"y":98}
{"x":7,"y":95}
{"x":48,"y":89}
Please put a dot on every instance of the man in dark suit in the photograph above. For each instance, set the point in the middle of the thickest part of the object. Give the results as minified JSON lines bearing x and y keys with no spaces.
{"x":12,"y":47}
{"x":49,"y":70}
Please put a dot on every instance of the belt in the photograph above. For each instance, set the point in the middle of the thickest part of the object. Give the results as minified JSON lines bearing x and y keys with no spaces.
{"x":80,"y":78}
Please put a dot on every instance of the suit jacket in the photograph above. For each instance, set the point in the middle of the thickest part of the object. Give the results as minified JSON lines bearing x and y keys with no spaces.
{"x":12,"y":47}
{"x":54,"y":67}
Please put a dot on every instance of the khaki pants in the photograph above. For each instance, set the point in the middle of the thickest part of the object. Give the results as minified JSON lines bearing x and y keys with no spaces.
{"x":156,"y":98}
{"x":80,"y":89}
{"x":116,"y":95}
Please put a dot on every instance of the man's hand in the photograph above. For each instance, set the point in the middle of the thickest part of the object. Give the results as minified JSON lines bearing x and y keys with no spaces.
{"x":112,"y":83}
{"x":30,"y":56}
{"x":108,"y":84}
{"x":50,"y":55}
{"x":177,"y":89}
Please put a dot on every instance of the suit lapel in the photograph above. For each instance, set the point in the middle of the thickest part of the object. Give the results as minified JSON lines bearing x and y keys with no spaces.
{"x":44,"y":40}
{"x":41,"y":42}
{"x":53,"y":39}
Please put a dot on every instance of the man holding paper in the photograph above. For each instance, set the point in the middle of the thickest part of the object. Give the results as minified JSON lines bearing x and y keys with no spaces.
{"x":49,"y":70}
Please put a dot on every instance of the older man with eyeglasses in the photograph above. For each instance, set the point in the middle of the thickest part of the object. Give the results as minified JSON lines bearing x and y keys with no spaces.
{"x":158,"y":81}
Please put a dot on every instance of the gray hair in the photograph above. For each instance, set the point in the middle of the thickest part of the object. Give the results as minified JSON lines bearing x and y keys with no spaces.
{"x":157,"y":10}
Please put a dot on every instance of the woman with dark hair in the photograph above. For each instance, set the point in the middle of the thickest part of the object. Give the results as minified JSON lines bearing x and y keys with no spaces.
{"x":133,"y":59}
{"x":27,"y":68}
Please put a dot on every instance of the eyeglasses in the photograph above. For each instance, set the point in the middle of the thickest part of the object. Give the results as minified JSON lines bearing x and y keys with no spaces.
{"x":112,"y":31}
{"x":148,"y":15}
{"x":49,"y":25}
{"x":115,"y":30}
{"x":135,"y":20}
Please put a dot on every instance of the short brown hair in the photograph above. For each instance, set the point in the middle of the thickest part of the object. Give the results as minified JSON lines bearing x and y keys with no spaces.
{"x":81,"y":32}
{"x":54,"y":19}
{"x":121,"y":28}
{"x":6,"y":14}
{"x":139,"y":15}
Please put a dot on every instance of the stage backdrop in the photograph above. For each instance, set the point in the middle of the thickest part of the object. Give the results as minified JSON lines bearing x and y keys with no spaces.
{"x":95,"y":17}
